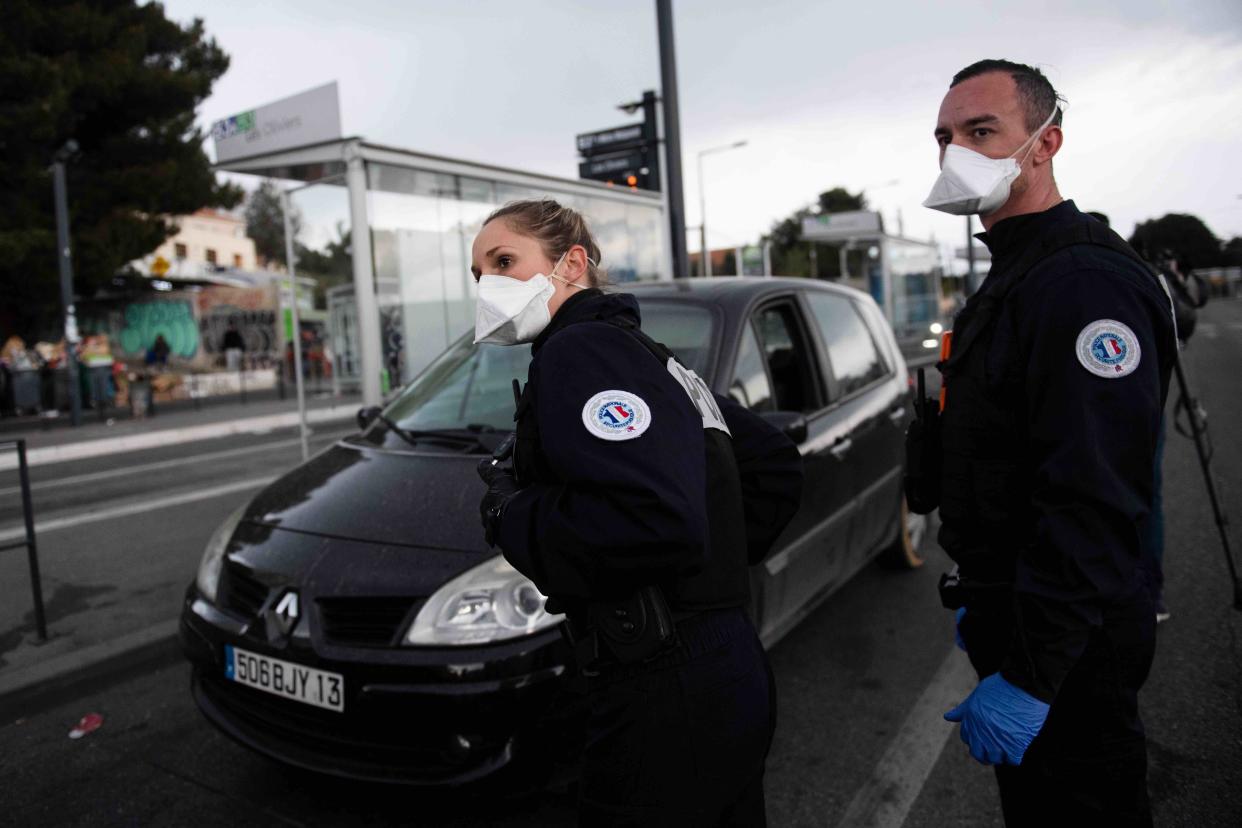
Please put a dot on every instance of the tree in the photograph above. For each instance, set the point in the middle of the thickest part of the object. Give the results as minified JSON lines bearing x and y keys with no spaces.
{"x":123,"y":81}
{"x":332,"y":266}
{"x":791,"y":256}
{"x":265,"y":222}
{"x":1187,"y":236}
{"x":1232,"y":252}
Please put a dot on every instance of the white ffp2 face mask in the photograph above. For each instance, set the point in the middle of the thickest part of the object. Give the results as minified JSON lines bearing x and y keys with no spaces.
{"x":510,"y":311}
{"x":971,"y":182}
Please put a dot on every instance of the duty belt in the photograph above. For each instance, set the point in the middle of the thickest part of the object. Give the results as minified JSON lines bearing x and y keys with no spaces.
{"x":957,"y":591}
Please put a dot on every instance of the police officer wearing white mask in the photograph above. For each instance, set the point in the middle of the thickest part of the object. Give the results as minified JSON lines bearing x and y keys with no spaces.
{"x":1055,"y":377}
{"x":635,"y":501}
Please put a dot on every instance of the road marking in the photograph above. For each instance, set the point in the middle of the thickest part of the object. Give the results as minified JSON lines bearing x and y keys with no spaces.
{"x":1207,"y":329}
{"x":140,"y":507}
{"x":170,"y":436}
{"x":94,"y":477}
{"x":898,"y":778}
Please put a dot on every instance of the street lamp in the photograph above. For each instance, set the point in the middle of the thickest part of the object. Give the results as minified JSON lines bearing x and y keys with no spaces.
{"x":707,"y":260}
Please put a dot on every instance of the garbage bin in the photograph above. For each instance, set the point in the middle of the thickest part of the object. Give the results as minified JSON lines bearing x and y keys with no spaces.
{"x":139,"y":397}
{"x":26,"y":391}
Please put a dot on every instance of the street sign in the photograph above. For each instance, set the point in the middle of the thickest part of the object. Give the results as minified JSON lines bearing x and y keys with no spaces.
{"x":629,"y":136}
{"x":160,"y":266}
{"x":842,"y":226}
{"x":626,"y":156}
{"x":612,"y":167}
{"x":306,"y":118}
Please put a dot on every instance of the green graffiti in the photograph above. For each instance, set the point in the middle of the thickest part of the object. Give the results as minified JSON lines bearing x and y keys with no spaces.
{"x":144,"y":321}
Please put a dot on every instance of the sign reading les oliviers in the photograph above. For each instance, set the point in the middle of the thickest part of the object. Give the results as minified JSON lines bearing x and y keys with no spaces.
{"x":306,"y":118}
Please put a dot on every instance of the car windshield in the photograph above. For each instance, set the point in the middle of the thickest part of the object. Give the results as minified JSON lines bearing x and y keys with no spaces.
{"x":471,"y":386}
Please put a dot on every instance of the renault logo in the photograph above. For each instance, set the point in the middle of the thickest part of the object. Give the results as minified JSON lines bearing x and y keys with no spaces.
{"x":286,"y":612}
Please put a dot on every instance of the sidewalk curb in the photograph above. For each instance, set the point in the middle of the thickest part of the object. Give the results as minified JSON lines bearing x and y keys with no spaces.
{"x":160,"y":438}
{"x":35,"y":687}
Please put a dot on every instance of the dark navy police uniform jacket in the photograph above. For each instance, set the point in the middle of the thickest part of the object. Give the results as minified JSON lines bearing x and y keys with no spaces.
{"x":617,"y":499}
{"x":1049,"y":433}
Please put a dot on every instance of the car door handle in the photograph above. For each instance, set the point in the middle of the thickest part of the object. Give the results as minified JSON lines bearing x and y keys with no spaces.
{"x":897,"y":414}
{"x":841,"y":447}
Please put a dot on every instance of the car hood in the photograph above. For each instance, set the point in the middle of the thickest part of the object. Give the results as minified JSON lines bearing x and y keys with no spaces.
{"x":396,"y":498}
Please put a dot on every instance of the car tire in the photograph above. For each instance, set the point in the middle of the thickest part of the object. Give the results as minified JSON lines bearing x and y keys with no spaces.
{"x":903,"y":552}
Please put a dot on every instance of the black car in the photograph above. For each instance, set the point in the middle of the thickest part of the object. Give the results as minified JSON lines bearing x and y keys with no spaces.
{"x":351,"y":620}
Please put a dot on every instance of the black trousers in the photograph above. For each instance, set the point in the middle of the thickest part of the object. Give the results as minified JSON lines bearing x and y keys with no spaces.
{"x":682,"y":741}
{"x":1088,"y":765}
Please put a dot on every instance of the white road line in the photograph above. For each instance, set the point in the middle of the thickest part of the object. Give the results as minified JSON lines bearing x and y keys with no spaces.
{"x":159,"y":438}
{"x":137,"y":508}
{"x":886,"y":798}
{"x":94,"y":477}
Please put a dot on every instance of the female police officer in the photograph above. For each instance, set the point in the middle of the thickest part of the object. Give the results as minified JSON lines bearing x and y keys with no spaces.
{"x":634,"y":500}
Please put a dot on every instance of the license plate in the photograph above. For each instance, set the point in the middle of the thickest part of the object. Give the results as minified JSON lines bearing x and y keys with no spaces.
{"x":285,"y":679}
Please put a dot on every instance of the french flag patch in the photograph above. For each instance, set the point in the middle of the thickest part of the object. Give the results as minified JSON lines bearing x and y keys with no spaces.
{"x":1108,"y":348}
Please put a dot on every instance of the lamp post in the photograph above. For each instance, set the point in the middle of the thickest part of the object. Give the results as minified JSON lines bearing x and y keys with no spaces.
{"x":706,"y":264}
{"x":65,"y":257}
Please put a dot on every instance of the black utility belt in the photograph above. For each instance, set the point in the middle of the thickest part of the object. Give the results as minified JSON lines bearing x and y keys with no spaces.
{"x":638,"y":631}
{"x":958,"y":591}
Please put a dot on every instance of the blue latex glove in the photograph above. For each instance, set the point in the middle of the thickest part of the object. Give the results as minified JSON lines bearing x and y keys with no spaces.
{"x":999,"y":721}
{"x":957,"y":628}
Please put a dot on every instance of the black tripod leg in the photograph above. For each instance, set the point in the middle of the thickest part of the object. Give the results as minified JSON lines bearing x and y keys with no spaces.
{"x":1222,"y":520}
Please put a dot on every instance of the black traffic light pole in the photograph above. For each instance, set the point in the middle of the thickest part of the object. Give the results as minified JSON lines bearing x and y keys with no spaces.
{"x":672,"y":140}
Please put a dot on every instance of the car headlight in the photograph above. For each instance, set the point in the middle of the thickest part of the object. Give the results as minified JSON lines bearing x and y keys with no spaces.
{"x":491,"y":602}
{"x":208,"y":579}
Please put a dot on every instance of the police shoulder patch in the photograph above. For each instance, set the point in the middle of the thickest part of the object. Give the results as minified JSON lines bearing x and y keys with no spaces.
{"x":616,"y":415}
{"x":1108,"y":348}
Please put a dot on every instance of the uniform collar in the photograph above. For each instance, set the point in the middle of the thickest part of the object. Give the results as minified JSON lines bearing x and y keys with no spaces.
{"x":1008,"y":236}
{"x":590,"y":305}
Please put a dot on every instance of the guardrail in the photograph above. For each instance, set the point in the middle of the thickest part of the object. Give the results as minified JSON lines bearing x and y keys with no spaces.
{"x":32,"y":551}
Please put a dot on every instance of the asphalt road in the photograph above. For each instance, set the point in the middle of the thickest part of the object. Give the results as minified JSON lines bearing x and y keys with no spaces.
{"x":860,"y":682}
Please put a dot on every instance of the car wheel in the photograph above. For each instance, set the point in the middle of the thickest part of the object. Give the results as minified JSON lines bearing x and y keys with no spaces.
{"x":903,"y":553}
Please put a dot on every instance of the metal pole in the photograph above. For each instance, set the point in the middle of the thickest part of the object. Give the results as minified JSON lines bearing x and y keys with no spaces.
{"x":369,"y":344}
{"x":32,"y":552}
{"x":297,"y":326}
{"x":970,"y":255}
{"x":767,"y":258}
{"x":705,"y":260}
{"x":672,"y":139}
{"x":66,"y":279}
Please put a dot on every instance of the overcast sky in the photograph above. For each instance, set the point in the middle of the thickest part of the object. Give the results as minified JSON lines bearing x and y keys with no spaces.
{"x":826,"y":93}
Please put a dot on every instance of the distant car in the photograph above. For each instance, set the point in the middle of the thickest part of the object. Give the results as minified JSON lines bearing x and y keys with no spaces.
{"x":351,"y":620}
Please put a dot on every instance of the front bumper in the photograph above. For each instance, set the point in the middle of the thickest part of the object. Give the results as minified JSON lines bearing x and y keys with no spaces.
{"x":419,"y":716}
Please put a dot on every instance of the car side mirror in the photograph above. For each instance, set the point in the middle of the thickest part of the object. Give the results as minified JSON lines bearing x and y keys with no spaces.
{"x":366,"y":416}
{"x":792,"y":423}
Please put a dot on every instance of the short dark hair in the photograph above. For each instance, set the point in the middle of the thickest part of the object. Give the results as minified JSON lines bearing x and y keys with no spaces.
{"x":1034,"y":89}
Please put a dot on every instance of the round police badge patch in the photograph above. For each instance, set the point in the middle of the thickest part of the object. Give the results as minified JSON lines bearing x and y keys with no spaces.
{"x":1107,"y":348}
{"x":616,"y":415}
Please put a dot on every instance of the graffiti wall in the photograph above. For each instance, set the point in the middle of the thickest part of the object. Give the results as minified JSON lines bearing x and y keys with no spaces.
{"x":252,"y":310}
{"x":146,"y":320}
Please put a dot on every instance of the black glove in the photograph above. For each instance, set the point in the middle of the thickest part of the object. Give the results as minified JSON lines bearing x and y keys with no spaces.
{"x":501,"y":486}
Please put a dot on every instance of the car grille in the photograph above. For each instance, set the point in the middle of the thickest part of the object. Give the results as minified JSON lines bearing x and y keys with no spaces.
{"x":392,"y":735}
{"x":241,"y":593}
{"x":364,"y":622}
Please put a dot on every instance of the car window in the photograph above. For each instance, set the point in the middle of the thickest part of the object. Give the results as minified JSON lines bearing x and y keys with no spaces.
{"x":785,"y":357}
{"x":686,"y":329}
{"x":472,"y":385}
{"x":750,"y":386}
{"x":851,"y":350}
{"x":468,"y":385}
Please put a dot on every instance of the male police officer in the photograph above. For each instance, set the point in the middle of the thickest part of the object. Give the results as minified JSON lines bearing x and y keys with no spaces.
{"x":1054,"y":381}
